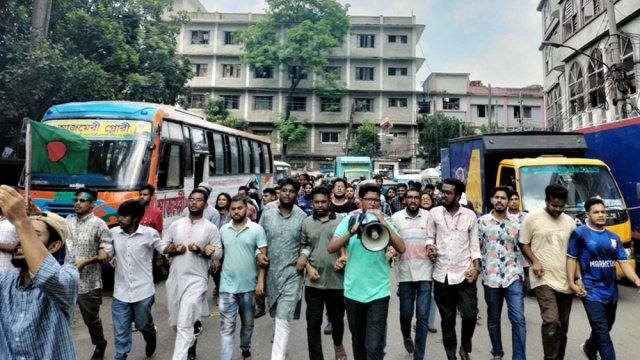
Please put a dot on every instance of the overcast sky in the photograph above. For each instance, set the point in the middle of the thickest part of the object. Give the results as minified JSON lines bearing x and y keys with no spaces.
{"x":496,"y":41}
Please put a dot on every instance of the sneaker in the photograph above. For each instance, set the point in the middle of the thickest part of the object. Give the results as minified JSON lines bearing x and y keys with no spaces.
{"x":463,"y":354}
{"x":589,"y":354}
{"x":197,"y":328}
{"x":432,"y":330}
{"x":246,"y":355}
{"x":150,"y":348}
{"x":328,"y":329}
{"x":98,"y":353}
{"x":408,"y":345}
{"x":191,"y":354}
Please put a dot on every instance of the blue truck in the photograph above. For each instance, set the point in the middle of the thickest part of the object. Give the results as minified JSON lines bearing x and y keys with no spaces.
{"x":353,"y":167}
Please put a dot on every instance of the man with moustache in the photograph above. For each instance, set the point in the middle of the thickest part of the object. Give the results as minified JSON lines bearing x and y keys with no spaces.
{"x":282,"y":226}
{"x":340,"y":204}
{"x":414,"y":272}
{"x":502,"y":273}
{"x":38,"y":297}
{"x":188,"y":277}
{"x":452,"y":243}
{"x":133,"y":290}
{"x":209,"y":213}
{"x":397,"y":203}
{"x":88,"y":245}
{"x":595,"y":250}
{"x":544,"y":239}
{"x":241,"y":280}
{"x":324,"y":284}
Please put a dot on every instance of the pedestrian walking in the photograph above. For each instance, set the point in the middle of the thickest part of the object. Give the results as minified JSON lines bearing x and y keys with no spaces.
{"x":397,"y":203}
{"x":502,"y":274}
{"x":210,"y":213}
{"x":544,"y":238}
{"x":452,"y":243}
{"x":89,"y":244}
{"x":152,"y":215}
{"x":340,"y":204}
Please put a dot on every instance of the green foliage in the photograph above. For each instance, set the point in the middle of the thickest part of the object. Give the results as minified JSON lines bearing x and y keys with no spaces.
{"x":366,"y":141}
{"x":291,"y":132}
{"x":435,"y":132}
{"x":95,"y":50}
{"x":214,"y":111}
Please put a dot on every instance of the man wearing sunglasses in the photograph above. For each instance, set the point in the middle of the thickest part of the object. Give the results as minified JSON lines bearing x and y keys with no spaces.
{"x":89,"y":244}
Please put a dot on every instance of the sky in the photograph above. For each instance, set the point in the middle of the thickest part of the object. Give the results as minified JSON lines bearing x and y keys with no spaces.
{"x":495,"y":41}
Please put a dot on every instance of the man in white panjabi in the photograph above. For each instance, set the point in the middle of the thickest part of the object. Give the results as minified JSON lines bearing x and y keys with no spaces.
{"x":192,"y":243}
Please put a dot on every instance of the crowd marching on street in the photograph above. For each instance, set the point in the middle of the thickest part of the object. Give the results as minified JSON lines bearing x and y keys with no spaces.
{"x":268,"y":249}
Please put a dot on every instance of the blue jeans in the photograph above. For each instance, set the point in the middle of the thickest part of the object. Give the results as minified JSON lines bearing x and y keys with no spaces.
{"x":601,"y":318}
{"x":416,"y":293}
{"x":229,"y":306}
{"x":514,"y":294}
{"x":123,"y":314}
{"x":368,"y":325}
{"x":432,"y":312}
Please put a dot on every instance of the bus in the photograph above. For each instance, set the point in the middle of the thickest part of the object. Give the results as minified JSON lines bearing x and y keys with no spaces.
{"x":282,"y":170}
{"x":133,"y":144}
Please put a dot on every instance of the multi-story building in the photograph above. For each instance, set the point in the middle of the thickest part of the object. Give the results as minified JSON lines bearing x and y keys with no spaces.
{"x":377,"y":65}
{"x":579,"y":87}
{"x":454,"y":95}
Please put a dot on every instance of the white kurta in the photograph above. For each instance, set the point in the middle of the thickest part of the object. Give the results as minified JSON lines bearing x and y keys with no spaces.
{"x":188,"y":276}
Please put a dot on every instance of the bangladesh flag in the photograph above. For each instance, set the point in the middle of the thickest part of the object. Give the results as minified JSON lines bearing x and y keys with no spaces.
{"x":58,"y":151}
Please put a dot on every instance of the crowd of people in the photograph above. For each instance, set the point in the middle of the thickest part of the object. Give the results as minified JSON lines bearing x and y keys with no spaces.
{"x":268,"y":249}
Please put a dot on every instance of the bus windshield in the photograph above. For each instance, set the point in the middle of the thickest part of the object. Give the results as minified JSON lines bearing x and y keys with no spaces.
{"x":119,"y":156}
{"x":283,"y":170}
{"x":582,"y":181}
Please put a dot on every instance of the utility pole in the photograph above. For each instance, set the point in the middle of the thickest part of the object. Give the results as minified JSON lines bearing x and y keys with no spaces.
{"x":489,"y":112}
{"x":521,"y":119}
{"x":616,"y":59}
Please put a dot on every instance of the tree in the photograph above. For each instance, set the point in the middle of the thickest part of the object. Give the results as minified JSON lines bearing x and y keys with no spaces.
{"x":215,"y":111}
{"x":290,"y":132}
{"x":435,"y":132}
{"x":366,"y":141}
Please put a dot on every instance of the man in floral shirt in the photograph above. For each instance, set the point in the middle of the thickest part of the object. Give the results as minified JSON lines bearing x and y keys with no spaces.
{"x":502,"y":274}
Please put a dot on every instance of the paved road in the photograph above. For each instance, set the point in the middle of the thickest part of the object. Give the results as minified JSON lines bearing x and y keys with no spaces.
{"x":625,"y":333}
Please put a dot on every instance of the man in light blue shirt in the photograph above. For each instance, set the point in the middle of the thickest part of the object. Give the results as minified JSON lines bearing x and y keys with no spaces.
{"x":241,"y":278}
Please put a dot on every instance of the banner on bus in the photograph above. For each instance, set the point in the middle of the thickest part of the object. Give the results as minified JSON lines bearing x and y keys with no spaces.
{"x":106,"y":129}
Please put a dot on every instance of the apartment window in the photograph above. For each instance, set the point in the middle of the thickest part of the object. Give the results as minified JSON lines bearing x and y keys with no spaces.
{"x":196,"y":100}
{"x":200,"y":69}
{"x":363,"y":105}
{"x":397,"y":71}
{"x":231,"y":102}
{"x":554,"y":108}
{"x":595,"y":73}
{"x":231,"y":70}
{"x":263,"y":103}
{"x":329,"y":137}
{"x":199,"y":37}
{"x":330,"y":104}
{"x":482,"y":111}
{"x":570,"y":23}
{"x":364,"y":73}
{"x":590,"y":9}
{"x":526,"y":112}
{"x":548,"y":59}
{"x":297,"y":103}
{"x":516,"y":112}
{"x":264,"y":72}
{"x":402,"y":39}
{"x":366,"y":41}
{"x":450,"y":103}
{"x":229,"y":38}
{"x":335,"y":71}
{"x":628,"y":64}
{"x":297,"y":72}
{"x":397,"y":102}
{"x":424,"y":107}
{"x":576,"y":90}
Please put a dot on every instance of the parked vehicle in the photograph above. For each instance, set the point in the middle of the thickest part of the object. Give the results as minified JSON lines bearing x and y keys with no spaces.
{"x":353,"y":167}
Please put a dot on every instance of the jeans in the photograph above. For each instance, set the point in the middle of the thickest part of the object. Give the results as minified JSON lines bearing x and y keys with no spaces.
{"x":432,"y":310}
{"x":316,"y":300}
{"x":495,"y":297}
{"x":89,"y":305}
{"x":463,"y":296}
{"x":123,"y":314}
{"x":368,"y":324}
{"x":229,"y":305}
{"x":418,"y":294}
{"x":601,"y":318}
{"x":555,"y":309}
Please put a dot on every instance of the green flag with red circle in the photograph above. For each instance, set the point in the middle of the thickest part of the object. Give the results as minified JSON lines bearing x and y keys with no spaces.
{"x":57,"y":151}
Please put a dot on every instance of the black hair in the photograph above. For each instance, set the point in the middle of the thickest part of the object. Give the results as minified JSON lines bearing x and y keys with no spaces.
{"x":323,"y":190}
{"x":411,"y":188}
{"x":226,"y":196}
{"x":507,"y":190}
{"x":430,"y":187}
{"x":200,"y":191}
{"x":269,"y":190}
{"x":337,"y":180}
{"x":593,"y":201}
{"x":366,"y":188}
{"x":513,"y":192}
{"x":53,"y":234}
{"x":457,"y":184}
{"x":132,"y":208}
{"x":91,"y":192}
{"x":245,"y":188}
{"x":402,"y":185}
{"x":241,"y":198}
{"x":293,"y":182}
{"x":149,"y":187}
{"x":307,"y":183}
{"x":555,"y":191}
{"x":349,"y":186}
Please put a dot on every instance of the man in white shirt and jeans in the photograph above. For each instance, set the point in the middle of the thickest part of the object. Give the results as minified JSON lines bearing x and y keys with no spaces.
{"x":453,"y":244}
{"x":133,"y":289}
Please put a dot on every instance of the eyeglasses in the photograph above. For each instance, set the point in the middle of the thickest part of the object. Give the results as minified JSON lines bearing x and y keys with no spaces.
{"x":371,"y":200}
{"x":196,"y":200}
{"x":81,"y":200}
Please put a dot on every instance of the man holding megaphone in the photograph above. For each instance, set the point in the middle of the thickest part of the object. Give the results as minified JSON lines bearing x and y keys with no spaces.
{"x":367,"y":278}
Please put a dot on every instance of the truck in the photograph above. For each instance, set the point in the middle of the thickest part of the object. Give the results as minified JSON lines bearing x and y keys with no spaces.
{"x":528,"y":162}
{"x":353,"y":167}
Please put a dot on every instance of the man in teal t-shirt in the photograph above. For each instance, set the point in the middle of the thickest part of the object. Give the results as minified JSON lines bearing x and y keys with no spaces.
{"x":367,"y":278}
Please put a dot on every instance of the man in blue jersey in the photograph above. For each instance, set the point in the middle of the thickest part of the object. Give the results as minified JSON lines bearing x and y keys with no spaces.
{"x":595,"y":250}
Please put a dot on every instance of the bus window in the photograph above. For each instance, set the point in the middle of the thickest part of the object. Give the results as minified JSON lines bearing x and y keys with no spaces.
{"x":199,"y":142}
{"x":188,"y":153}
{"x":173,"y":131}
{"x":266,"y":159}
{"x":216,"y":151}
{"x":233,"y":152}
{"x":170,"y":174}
{"x":508,"y":177}
{"x":246,"y":156}
{"x":255,"y":153}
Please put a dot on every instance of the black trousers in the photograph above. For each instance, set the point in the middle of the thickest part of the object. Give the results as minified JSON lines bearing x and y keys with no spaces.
{"x":316,"y":300}
{"x":464,"y":297}
{"x":89,"y":305}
